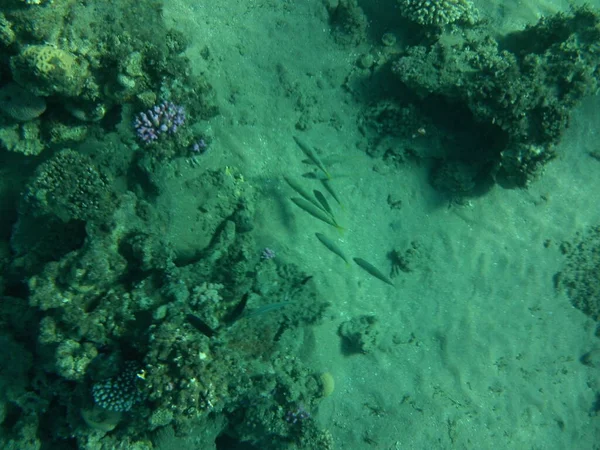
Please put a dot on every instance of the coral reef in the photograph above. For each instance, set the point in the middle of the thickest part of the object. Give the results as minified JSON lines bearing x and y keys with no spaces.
{"x":121,"y":392}
{"x":151,"y":342}
{"x":165,"y":118}
{"x":46,"y":70}
{"x":68,"y":186}
{"x":88,"y":65}
{"x":517,"y":94}
{"x":438,"y":12}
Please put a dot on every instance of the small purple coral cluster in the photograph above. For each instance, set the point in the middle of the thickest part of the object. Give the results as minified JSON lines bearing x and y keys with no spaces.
{"x":160,"y":119}
{"x":297,"y":415}
{"x":267,"y":253}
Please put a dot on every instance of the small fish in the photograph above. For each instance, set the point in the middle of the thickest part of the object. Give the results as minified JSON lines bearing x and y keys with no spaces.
{"x":371,"y":269}
{"x":311,"y":155}
{"x":316,"y":212}
{"x":238,"y":310}
{"x":323,"y":202}
{"x":300,"y":190}
{"x":327,"y":161}
{"x":332,"y":246}
{"x":265,"y":309}
{"x":305,"y":280}
{"x":200,"y":325}
{"x":329,"y":188}
{"x":315,"y":176}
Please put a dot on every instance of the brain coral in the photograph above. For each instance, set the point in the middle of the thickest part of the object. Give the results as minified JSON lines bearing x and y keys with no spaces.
{"x":437,"y":12}
{"x":46,"y":70}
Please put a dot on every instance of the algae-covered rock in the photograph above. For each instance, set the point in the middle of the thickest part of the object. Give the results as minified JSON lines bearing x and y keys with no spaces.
{"x":7,"y":35}
{"x":517,"y":92}
{"x":47,"y":70}
{"x":360,"y":334}
{"x":72,"y":359}
{"x":62,"y":133}
{"x":101,"y":419}
{"x":348,"y":21}
{"x":20,"y":104}
{"x":22,"y":138}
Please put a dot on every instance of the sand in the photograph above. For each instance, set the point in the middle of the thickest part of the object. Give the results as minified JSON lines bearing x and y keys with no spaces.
{"x":477,"y":349}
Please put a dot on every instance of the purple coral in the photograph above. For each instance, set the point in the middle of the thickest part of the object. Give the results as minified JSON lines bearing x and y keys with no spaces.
{"x":199,"y":147}
{"x":297,"y":415}
{"x":267,"y":253}
{"x":160,"y":119}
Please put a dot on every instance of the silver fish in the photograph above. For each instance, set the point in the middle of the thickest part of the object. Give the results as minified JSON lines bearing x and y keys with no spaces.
{"x":311,"y":155}
{"x":323,"y":202}
{"x":372,"y":270}
{"x":316,"y":212}
{"x":300,"y":190}
{"x":332,"y":246}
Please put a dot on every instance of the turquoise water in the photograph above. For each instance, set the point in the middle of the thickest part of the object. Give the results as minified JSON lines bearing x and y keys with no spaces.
{"x":320,"y":224}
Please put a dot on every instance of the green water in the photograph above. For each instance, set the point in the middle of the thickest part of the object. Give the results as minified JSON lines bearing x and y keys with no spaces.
{"x":299,"y":225}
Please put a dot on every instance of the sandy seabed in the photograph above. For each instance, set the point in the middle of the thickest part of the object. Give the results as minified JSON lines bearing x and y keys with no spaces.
{"x":477,"y":349}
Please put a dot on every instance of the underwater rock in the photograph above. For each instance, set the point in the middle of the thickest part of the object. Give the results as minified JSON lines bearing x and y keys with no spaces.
{"x":348,"y":20}
{"x":517,"y":91}
{"x":20,"y":104}
{"x":360,"y":334}
{"x":101,"y":419}
{"x":454,"y":178}
{"x":327,"y":384}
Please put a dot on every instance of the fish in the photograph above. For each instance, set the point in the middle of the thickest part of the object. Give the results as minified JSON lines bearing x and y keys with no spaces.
{"x":300,"y":190}
{"x":326,"y":160}
{"x":315,"y":176}
{"x":200,"y":325}
{"x":329,"y":188}
{"x":237,"y":313}
{"x":332,"y":246}
{"x":372,"y":270}
{"x":238,"y":310}
{"x":311,"y":155}
{"x":265,"y":309}
{"x":316,"y":212}
{"x":323,"y":202}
